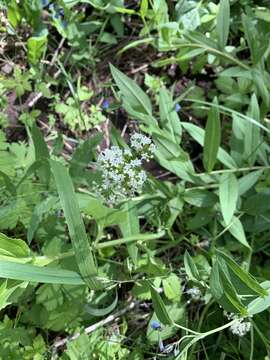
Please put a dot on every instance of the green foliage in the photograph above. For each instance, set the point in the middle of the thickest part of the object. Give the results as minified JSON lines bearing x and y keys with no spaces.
{"x":178,"y":269}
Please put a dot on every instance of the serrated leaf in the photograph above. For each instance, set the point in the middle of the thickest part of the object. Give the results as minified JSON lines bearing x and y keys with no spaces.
{"x":228,"y":195}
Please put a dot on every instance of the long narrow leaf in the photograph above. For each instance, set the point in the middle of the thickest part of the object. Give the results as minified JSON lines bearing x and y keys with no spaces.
{"x":26,"y":272}
{"x":83,"y":253}
{"x":223,"y":23}
{"x":211,"y":139}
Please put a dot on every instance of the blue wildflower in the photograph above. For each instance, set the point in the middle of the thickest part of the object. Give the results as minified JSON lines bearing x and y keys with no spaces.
{"x":161,"y":346}
{"x":105,"y":105}
{"x":155,"y":325}
{"x":177,"y":107}
{"x":44,"y":3}
{"x":61,"y":12}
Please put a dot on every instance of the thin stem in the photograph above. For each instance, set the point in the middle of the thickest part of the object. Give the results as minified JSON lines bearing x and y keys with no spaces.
{"x":186,"y":329}
{"x":139,"y":237}
{"x":251,"y":343}
{"x":216,"y":52}
{"x":251,"y":168}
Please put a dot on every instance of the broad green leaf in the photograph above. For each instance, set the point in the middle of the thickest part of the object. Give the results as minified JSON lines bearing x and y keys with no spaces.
{"x":159,"y":307}
{"x":261,"y":303}
{"x":143,"y":8}
{"x":191,"y":268}
{"x":131,"y":92}
{"x":244,"y":276}
{"x":202,"y":217}
{"x":228,"y":196}
{"x":257,"y":204}
{"x":223,"y":291}
{"x":13,"y":13}
{"x":212,"y":138}
{"x":223,"y":23}
{"x":248,"y":181}
{"x":237,"y":231}
{"x":32,"y":273}
{"x":79,"y":239}
{"x":198,"y":135}
{"x":237,"y":139}
{"x":200,"y":197}
{"x":169,"y":149}
{"x":172,"y":287}
{"x":169,"y":118}
{"x":13,"y":247}
{"x":7,"y":288}
{"x":36,"y":46}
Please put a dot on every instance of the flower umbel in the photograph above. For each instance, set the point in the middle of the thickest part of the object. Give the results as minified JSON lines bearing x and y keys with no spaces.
{"x":121,"y":169}
{"x":241,"y":326}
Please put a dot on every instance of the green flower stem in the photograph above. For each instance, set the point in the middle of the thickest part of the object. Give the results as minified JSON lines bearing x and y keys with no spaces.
{"x":252,"y":168}
{"x":203,"y":335}
{"x":126,"y":240}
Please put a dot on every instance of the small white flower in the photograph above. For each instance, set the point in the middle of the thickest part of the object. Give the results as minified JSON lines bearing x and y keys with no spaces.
{"x":241,"y":327}
{"x":195,"y":293}
{"x":138,"y":141}
{"x":121,"y":171}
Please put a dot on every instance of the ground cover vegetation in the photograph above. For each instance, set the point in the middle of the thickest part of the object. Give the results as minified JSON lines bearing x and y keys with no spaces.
{"x":134,"y":177}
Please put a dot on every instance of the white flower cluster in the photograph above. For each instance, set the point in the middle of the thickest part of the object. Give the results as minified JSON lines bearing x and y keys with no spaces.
{"x":195,"y":293}
{"x":241,"y":326}
{"x":122,"y":173}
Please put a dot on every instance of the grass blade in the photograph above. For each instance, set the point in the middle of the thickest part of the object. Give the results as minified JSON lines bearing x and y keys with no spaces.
{"x":32,"y":273}
{"x":79,"y":239}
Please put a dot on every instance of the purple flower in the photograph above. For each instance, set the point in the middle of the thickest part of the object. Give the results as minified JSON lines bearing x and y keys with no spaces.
{"x":177,"y":107}
{"x":155,"y":325}
{"x":161,"y":346}
{"x":61,"y":12}
{"x":105,"y":105}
